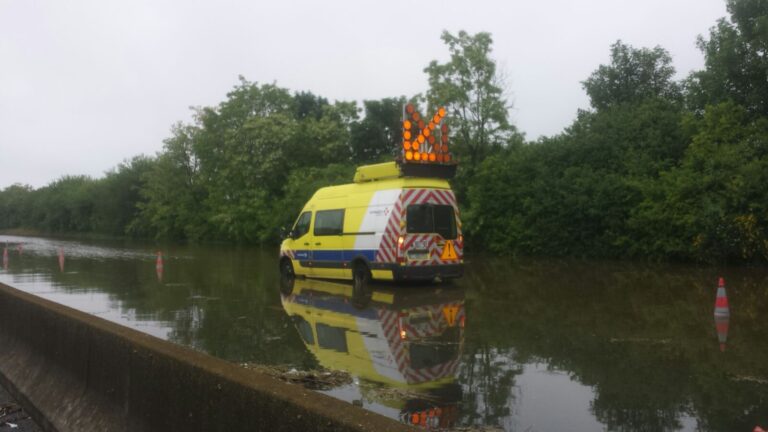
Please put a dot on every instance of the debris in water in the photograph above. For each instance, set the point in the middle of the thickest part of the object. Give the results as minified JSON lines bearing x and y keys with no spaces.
{"x":10,"y":413}
{"x":393,"y":393}
{"x":324,"y":379}
{"x":750,"y":379}
{"x":477,"y":429}
{"x":8,"y":409}
{"x":650,"y":341}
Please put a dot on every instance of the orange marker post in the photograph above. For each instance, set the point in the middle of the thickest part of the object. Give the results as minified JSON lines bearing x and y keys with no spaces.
{"x":61,"y":260}
{"x":159,"y":267}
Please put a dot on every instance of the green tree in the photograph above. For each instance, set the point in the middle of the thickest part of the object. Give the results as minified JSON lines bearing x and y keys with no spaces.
{"x":736,"y":60}
{"x":472,"y":90}
{"x":307,"y":104}
{"x":225,"y":176}
{"x":65,"y":205}
{"x":378,"y":134}
{"x":300,"y":186}
{"x":172,"y":195}
{"x":633,"y":75}
{"x":573,"y":194}
{"x":117,"y":196}
{"x":15,"y":206}
{"x":714,"y":206}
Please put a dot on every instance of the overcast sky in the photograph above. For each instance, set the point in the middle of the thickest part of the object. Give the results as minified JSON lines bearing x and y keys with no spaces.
{"x":85,"y":85}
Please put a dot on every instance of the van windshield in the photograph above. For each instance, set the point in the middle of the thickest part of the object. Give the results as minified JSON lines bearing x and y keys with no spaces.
{"x":431,"y":218}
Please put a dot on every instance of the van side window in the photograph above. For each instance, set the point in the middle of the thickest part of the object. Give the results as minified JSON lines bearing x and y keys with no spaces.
{"x":302,"y":225}
{"x":305,"y":329}
{"x":329,"y":222}
{"x":333,"y":338}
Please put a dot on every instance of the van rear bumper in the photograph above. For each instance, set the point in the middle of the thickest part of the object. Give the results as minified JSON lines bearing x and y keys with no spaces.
{"x":427,"y":272}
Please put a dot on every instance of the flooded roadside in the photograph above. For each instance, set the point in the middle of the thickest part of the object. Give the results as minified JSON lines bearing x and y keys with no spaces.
{"x":517,"y":345}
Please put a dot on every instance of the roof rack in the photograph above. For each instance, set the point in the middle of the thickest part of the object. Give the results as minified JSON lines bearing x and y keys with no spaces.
{"x":397,"y":169}
{"x":443,"y":171}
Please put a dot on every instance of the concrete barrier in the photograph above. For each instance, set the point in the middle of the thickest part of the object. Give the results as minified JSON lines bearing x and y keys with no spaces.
{"x":76,"y":372}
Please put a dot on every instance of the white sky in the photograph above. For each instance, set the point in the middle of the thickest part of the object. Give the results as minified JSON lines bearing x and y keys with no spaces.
{"x":86,"y":84}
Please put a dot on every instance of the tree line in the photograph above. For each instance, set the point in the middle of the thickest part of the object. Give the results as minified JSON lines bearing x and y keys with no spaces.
{"x":655,"y":167}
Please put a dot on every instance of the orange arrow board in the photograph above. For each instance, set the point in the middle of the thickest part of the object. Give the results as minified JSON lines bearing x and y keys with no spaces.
{"x":450,"y":312}
{"x":449,"y":253}
{"x":420,"y":142}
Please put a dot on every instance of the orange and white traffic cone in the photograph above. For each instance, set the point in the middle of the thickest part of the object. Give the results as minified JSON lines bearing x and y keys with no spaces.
{"x":159,"y":268}
{"x":61,"y":259}
{"x":721,"y":302}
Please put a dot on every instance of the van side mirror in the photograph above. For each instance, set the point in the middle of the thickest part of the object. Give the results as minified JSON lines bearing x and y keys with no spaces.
{"x":285,"y":233}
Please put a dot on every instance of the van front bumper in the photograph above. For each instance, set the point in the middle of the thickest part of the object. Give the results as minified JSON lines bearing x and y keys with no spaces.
{"x":427,"y":272}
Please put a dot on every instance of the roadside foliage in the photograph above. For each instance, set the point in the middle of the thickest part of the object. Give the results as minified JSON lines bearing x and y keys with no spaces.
{"x":656,"y":167}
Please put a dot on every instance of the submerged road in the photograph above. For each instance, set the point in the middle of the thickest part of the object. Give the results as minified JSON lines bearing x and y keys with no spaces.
{"x":516,"y":344}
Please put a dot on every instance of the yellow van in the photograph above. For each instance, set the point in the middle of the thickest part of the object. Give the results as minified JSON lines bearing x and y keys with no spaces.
{"x":398,"y":339}
{"x":396,"y":221}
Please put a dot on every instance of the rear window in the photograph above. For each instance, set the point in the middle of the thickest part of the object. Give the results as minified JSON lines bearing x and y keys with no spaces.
{"x":431,"y":218}
{"x":432,"y":351}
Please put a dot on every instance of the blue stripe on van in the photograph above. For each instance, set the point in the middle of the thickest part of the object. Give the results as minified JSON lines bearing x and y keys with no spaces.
{"x":301,"y":255}
{"x":327,"y":255}
{"x":342,"y":254}
{"x":336,"y":304}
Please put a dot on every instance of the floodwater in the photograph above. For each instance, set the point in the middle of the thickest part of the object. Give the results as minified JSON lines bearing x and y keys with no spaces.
{"x":516,"y":345}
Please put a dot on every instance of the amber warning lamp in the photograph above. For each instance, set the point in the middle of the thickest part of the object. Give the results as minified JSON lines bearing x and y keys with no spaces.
{"x":425,"y":142}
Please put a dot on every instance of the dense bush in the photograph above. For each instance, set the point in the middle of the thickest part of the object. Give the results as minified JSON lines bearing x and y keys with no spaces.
{"x":654,"y":168}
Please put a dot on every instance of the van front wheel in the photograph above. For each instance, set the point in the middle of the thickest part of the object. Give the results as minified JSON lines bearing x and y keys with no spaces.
{"x":361,"y":277}
{"x":287,"y":276}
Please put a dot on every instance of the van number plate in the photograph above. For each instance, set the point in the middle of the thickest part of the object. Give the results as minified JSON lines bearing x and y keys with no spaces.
{"x":419,"y":244}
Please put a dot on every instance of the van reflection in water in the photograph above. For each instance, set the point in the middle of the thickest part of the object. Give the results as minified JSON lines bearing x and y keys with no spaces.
{"x":408,"y":339}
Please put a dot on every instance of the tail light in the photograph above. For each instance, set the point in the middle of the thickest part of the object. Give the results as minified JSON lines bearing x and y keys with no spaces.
{"x":401,"y":326}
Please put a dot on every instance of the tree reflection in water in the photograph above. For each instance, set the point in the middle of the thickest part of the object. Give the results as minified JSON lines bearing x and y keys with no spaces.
{"x":488,"y":379}
{"x":638,"y":339}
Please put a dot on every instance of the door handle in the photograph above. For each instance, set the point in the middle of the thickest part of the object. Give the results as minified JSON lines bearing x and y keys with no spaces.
{"x":306,"y":244}
{"x":318,"y":244}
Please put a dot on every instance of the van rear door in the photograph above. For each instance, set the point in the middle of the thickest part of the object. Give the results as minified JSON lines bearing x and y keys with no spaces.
{"x":432,"y":228}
